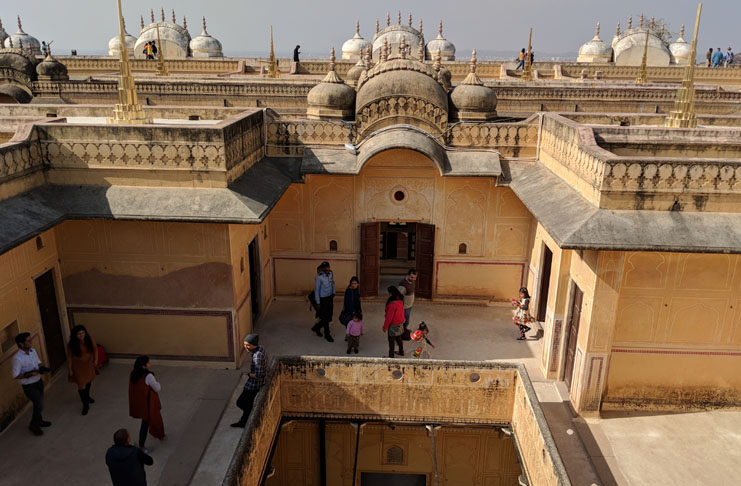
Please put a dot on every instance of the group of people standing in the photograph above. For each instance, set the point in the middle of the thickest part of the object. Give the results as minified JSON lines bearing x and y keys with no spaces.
{"x":125,"y":461}
{"x":719,"y":59}
{"x":397,"y":313}
{"x":150,"y":50}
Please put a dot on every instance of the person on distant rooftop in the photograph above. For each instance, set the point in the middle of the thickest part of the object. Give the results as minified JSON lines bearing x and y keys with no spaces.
{"x":521,"y":58}
{"x":717,"y":58}
{"x":728,"y":59}
{"x":296,"y":52}
{"x":709,"y":57}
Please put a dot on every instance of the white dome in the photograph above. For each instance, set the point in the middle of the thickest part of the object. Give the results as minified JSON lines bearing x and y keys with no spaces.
{"x":3,"y":34}
{"x":596,"y":50}
{"x":205,"y":46}
{"x":353,"y":48}
{"x":114,"y":45}
{"x":20,"y":38}
{"x":174,"y":38}
{"x":393,"y":35}
{"x":446,"y":48}
{"x":680,"y":49}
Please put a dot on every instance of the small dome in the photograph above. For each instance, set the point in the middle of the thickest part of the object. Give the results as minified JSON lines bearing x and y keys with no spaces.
{"x":52,"y":70}
{"x":401,"y":90}
{"x":175,"y":39}
{"x":595,"y":50}
{"x":204,"y":45}
{"x":355,"y":47}
{"x":114,"y":44}
{"x":680,"y":49}
{"x":354,"y":73}
{"x":439,"y":43}
{"x":22,"y":40}
{"x":331,"y":98}
{"x":3,"y":34}
{"x":19,"y":60}
{"x":471,"y":100}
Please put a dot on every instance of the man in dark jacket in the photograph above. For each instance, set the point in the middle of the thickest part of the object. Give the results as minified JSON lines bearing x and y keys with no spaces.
{"x":126,"y":462}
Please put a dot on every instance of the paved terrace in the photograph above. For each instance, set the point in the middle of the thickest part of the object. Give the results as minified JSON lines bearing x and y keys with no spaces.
{"x":198,"y":406}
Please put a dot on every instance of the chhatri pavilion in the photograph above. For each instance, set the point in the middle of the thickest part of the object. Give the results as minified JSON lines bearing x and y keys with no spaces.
{"x":610,"y":187}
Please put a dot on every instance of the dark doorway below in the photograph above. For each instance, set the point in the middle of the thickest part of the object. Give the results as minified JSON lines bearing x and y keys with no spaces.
{"x":46,"y":296}
{"x":254,"y":257}
{"x":392,"y":479}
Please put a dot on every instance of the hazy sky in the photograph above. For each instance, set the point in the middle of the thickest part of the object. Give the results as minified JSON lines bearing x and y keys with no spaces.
{"x":560,"y":26}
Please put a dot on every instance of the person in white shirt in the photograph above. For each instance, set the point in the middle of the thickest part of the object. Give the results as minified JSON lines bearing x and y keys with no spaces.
{"x":27,"y":370}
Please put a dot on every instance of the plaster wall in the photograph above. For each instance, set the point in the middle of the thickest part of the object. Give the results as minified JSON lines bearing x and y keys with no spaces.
{"x":151,"y":278}
{"x":18,"y":304}
{"x":465,"y":455}
{"x":490,"y":221}
{"x":677,"y":337}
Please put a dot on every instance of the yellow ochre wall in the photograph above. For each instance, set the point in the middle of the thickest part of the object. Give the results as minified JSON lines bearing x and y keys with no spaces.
{"x":128,"y":279}
{"x":465,"y":455}
{"x":491,"y":221}
{"x":677,"y":337}
{"x":18,"y":269}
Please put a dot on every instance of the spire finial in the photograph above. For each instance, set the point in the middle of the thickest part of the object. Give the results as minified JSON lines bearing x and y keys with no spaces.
{"x":617,"y":30}
{"x":367,"y":59}
{"x":332,"y":60}
{"x":472,"y":78}
{"x":663,"y":28}
{"x":438,"y":60}
{"x":410,"y":19}
{"x":388,"y":19}
{"x":398,"y":18}
{"x":440,"y":30}
{"x":377,"y":26}
{"x":151,"y":15}
{"x":421,"y":51}
{"x":357,"y":26}
{"x":640,"y":22}
{"x":204,"y":26}
{"x":20,"y":26}
{"x":403,"y":47}
{"x":596,"y":33}
{"x":185,"y":23}
{"x":420,"y":25}
{"x":141,"y":22}
{"x":174,"y":19}
{"x":162,"y":13}
{"x":473,"y":61}
{"x":10,"y":39}
{"x":652,"y":24}
{"x":123,"y":21}
{"x":683,"y":115}
{"x":630,"y":22}
{"x":20,"y":44}
{"x":1,"y":23}
{"x":681,"y":32}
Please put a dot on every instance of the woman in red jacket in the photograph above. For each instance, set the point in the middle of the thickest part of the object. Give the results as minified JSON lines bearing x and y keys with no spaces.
{"x":394,"y":320}
{"x":144,"y":401}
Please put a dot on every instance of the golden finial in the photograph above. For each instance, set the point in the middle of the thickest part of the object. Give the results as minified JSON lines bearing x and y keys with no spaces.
{"x":398,"y":18}
{"x":410,"y":19}
{"x":527,"y":73}
{"x":473,"y":61}
{"x":141,"y":22}
{"x":174,"y":19}
{"x":617,"y":30}
{"x":683,"y":115}
{"x":630,"y":22}
{"x":388,"y":19}
{"x":161,"y":67}
{"x":127,"y":110}
{"x":642,"y":72}
{"x":273,"y":62}
{"x":421,"y":51}
{"x":162,"y":14}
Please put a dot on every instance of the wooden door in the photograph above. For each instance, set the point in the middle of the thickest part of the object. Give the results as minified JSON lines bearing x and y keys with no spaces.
{"x":50,"y":322}
{"x":545,"y":280}
{"x":425,"y":261}
{"x":370,"y":258}
{"x":573,"y":335}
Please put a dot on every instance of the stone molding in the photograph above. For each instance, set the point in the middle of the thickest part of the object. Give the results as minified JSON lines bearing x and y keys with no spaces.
{"x":14,"y":75}
{"x":392,"y":110}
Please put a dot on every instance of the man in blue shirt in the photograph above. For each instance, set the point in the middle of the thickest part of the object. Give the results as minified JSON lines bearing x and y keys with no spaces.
{"x":717,"y":58}
{"x":324,"y":294}
{"x":255,"y":378}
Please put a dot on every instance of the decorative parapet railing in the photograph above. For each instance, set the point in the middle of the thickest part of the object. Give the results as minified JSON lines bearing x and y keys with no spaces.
{"x":655,"y":73}
{"x":398,"y":391}
{"x":495,"y":135}
{"x":10,"y":74}
{"x":287,"y":136}
{"x":20,"y":157}
{"x":608,"y":93}
{"x":569,"y":150}
{"x":244,"y":144}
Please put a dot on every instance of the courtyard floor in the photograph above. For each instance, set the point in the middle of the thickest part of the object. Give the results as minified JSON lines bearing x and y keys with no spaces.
{"x":198,"y":406}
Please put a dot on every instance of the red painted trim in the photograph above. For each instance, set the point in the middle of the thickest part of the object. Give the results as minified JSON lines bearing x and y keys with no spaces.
{"x":166,"y":312}
{"x":453,"y":262}
{"x":591,"y":367}
{"x":677,"y":351}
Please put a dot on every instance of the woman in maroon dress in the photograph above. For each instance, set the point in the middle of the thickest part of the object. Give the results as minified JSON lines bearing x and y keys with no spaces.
{"x":82,"y":363}
{"x":144,"y":401}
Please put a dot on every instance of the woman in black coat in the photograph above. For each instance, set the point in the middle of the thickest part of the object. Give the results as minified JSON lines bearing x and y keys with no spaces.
{"x":352,"y":301}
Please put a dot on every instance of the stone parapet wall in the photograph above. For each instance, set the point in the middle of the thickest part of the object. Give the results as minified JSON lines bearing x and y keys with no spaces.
{"x":286,"y":136}
{"x":673,"y":74}
{"x":20,"y":162}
